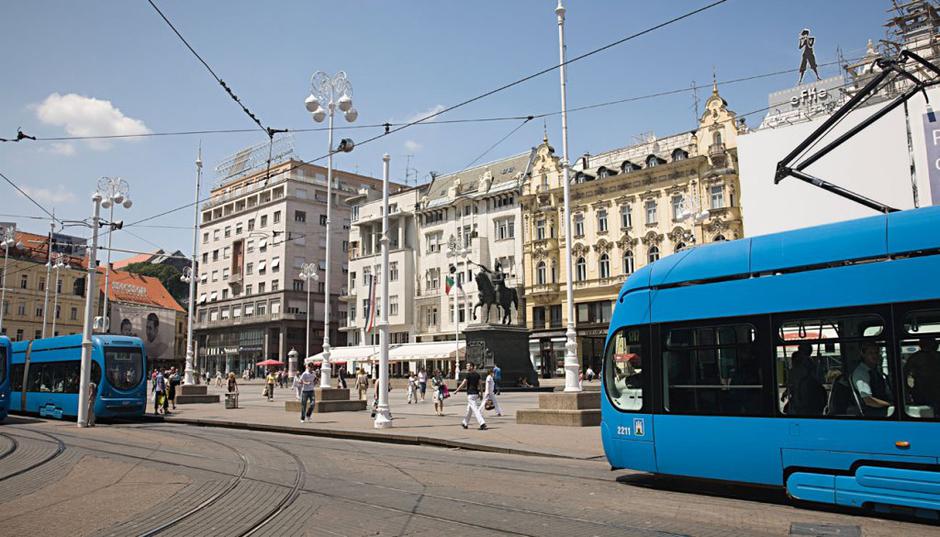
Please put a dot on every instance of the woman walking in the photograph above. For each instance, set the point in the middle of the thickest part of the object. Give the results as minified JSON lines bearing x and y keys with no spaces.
{"x":437,"y":392}
{"x":269,"y":385}
{"x":362,"y":383}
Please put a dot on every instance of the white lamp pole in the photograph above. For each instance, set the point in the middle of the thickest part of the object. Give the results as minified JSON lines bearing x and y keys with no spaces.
{"x":308,"y":271}
{"x":90,"y":291}
{"x":59,"y":264}
{"x":113,"y":191}
{"x":8,"y":241}
{"x":336,"y":92}
{"x":45,"y":300}
{"x":571,"y":341}
{"x":190,"y":278}
{"x":383,"y":417}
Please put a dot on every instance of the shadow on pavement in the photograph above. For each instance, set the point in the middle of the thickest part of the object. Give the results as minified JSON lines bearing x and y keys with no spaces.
{"x":735,"y":491}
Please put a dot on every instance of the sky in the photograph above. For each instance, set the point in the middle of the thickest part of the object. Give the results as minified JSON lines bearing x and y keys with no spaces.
{"x":115,"y":67}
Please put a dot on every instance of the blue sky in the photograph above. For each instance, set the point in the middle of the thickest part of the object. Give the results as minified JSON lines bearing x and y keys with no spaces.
{"x":403,"y":58}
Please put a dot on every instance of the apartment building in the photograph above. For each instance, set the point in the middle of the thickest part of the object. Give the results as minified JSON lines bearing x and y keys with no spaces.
{"x":629,"y":207}
{"x":365,"y":261}
{"x":257,"y":230}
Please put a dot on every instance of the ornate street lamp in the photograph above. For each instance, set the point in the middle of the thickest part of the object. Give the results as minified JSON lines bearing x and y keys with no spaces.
{"x":7,"y":241}
{"x":114,"y":191}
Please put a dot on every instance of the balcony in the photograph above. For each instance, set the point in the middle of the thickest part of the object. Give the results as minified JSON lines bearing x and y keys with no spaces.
{"x":716,"y":152}
{"x":545,"y":288}
{"x":347,"y":295}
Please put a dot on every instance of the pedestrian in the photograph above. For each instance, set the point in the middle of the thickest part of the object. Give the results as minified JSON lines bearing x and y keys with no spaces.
{"x":590,"y":374}
{"x":412,"y":388}
{"x":497,"y":377}
{"x":438,"y":393}
{"x":269,"y":385}
{"x":422,"y":382}
{"x":175,"y":381}
{"x":308,"y":383}
{"x":362,"y":383}
{"x":92,"y":395}
{"x":341,"y":378}
{"x":159,"y":391}
{"x":472,"y":383}
{"x":218,"y":379}
{"x":489,"y":395}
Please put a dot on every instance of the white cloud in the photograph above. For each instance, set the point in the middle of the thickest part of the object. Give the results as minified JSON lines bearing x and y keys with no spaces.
{"x":59,"y":148}
{"x":87,"y":116}
{"x":48,"y":196}
{"x":412,"y":146}
{"x":433,"y":110}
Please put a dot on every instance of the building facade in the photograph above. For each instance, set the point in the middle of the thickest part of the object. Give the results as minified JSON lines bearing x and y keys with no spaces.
{"x":257,"y":230}
{"x":365,"y":262}
{"x":469,"y":220}
{"x":629,"y":207}
{"x":27,"y":277}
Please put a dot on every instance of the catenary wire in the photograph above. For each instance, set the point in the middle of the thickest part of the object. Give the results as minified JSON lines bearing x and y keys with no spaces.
{"x":30,"y":198}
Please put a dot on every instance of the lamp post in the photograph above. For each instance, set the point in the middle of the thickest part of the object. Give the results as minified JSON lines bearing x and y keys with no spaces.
{"x":336,"y":92}
{"x":308,"y":272}
{"x":45,"y":300}
{"x":456,"y":249}
{"x":7,"y":241}
{"x":114,"y":191}
{"x":571,"y":342}
{"x":383,"y":417}
{"x":90,"y":291}
{"x":189,"y":276}
{"x":59,"y":263}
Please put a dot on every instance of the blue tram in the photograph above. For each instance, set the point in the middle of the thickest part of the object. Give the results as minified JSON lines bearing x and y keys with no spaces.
{"x":6,"y":352}
{"x":45,"y":376}
{"x":805,"y":360}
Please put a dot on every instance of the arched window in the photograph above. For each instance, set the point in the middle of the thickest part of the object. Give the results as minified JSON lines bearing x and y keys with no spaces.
{"x":540,"y":273}
{"x":679,"y":154}
{"x":720,"y":238}
{"x":605,"y":266}
{"x":680,"y":247}
{"x":627,"y":166}
{"x":717,"y":138}
{"x":628,"y":262}
{"x":653,"y":254}
{"x":580,"y":270}
{"x":554,"y":272}
{"x":651,"y":161}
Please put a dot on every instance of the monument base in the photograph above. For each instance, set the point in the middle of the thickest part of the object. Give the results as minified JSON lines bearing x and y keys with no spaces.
{"x":504,"y":345}
{"x":329,"y":400}
{"x":573,"y":409}
{"x":188,"y":394}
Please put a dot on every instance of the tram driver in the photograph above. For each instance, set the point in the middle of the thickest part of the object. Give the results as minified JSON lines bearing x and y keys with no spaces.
{"x":870,"y":383}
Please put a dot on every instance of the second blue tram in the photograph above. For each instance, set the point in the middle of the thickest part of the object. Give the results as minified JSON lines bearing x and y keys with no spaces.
{"x":6,"y":355}
{"x":805,"y":360}
{"x":45,"y":376}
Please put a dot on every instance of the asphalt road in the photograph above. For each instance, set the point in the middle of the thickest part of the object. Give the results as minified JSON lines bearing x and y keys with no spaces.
{"x":165,"y":479}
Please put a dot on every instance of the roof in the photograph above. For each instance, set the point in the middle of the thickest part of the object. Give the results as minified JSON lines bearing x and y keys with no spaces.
{"x":506,"y":174}
{"x":36,"y":248}
{"x":875,"y":237}
{"x":142,"y":258}
{"x":138,"y":289}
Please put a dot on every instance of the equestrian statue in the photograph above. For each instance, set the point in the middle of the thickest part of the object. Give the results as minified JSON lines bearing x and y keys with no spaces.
{"x":493,"y":291}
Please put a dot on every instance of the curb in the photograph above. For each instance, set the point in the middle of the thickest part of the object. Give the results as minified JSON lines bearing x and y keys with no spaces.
{"x":362,"y":436}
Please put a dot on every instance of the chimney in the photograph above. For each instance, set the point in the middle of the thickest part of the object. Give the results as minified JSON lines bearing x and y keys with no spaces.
{"x":586,"y":161}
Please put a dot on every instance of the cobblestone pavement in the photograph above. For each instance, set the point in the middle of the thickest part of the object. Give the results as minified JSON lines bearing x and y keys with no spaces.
{"x":170,"y":479}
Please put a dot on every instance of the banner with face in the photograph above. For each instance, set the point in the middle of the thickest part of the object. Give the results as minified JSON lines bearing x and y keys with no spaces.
{"x":155,"y":326}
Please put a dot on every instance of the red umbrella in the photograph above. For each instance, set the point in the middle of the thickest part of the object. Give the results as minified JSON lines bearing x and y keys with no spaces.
{"x":269,"y":363}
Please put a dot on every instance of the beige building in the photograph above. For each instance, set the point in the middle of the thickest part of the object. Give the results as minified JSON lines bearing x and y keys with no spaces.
{"x":255,"y":235}
{"x":629,"y":207}
{"x":26,"y":281}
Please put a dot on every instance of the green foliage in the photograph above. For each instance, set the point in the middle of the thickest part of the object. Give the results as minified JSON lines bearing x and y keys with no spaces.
{"x":168,"y":275}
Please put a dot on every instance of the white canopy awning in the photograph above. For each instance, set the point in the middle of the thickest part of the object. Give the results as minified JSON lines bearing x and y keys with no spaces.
{"x":359,"y":353}
{"x":436,"y":350}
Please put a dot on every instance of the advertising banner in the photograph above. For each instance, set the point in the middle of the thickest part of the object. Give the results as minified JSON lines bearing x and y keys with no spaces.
{"x":932,"y":142}
{"x":155,"y":326}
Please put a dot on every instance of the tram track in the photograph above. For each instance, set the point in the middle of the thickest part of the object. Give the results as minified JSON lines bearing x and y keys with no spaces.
{"x":60,"y":448}
{"x":13,"y":446}
{"x":285,"y":502}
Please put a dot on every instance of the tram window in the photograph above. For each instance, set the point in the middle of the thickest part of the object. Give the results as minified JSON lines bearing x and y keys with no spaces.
{"x":124,"y":367}
{"x":920,"y":362}
{"x":833,"y":366}
{"x":3,"y":365}
{"x":626,"y":373}
{"x":16,"y":383}
{"x":712,"y":370}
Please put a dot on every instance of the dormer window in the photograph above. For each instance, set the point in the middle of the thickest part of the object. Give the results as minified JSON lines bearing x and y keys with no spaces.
{"x":652,"y":161}
{"x":679,"y":154}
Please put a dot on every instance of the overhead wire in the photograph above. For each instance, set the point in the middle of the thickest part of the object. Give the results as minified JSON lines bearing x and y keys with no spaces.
{"x":30,"y":198}
{"x":478,"y":97}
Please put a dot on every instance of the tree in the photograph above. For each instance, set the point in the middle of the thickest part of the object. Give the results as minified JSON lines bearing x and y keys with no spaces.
{"x":168,"y":275}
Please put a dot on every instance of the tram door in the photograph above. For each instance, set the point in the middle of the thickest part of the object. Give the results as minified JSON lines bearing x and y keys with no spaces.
{"x":715,"y":387}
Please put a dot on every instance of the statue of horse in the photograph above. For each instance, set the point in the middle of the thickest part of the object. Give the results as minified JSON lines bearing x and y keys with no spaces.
{"x":508,"y":298}
{"x":488,"y":295}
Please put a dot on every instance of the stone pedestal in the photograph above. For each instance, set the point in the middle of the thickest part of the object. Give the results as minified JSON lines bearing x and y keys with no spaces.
{"x":574,"y":409}
{"x":504,"y":345}
{"x":329,"y":400}
{"x":194,"y":393}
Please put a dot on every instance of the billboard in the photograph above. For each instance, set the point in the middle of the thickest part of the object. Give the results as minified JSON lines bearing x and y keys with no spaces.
{"x":155,"y":326}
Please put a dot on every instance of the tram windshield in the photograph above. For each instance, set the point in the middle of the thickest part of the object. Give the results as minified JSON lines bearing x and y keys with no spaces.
{"x":3,"y":365}
{"x":123,"y":367}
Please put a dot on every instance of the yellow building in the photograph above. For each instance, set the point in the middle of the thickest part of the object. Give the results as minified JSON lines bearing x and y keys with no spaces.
{"x":629,"y":207}
{"x":26,"y":281}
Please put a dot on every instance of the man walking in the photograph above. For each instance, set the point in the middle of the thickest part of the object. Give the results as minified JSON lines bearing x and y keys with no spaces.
{"x":497,"y":377}
{"x":174,"y":381}
{"x":490,"y":394}
{"x":472,"y":382}
{"x":159,"y":391}
{"x":308,"y":382}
